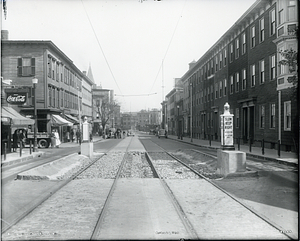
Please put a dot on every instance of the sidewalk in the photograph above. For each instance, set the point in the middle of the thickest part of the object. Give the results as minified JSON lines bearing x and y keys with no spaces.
{"x":288,"y":158}
{"x":14,"y":157}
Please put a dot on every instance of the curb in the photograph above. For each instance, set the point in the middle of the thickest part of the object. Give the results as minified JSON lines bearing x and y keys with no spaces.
{"x":22,"y":159}
{"x":278,"y":160}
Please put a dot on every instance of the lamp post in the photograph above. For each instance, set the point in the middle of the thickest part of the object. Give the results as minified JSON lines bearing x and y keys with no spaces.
{"x":191,"y":120}
{"x":178,"y":121}
{"x":34,"y":82}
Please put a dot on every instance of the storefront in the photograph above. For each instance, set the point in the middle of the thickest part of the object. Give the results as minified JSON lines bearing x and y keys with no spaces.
{"x":10,"y":121}
{"x":62,"y":125}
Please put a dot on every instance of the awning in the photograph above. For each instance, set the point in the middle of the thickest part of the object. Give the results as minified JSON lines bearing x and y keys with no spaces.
{"x":59,"y":121}
{"x":72,"y":119}
{"x":16,"y":118}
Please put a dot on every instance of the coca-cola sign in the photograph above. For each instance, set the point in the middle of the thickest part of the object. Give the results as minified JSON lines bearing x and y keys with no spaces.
{"x":16,"y":98}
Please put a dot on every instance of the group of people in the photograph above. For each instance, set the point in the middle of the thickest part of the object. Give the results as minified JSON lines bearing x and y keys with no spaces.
{"x":71,"y":135}
{"x":18,"y":139}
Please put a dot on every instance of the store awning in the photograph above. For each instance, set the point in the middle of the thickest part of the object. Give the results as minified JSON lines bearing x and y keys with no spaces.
{"x":72,"y":118}
{"x":59,"y":121}
{"x":16,"y":118}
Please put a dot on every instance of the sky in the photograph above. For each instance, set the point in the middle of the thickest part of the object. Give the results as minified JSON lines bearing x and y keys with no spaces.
{"x":136,"y":48}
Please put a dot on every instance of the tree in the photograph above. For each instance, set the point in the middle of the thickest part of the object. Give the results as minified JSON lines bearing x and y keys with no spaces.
{"x":105,"y":110}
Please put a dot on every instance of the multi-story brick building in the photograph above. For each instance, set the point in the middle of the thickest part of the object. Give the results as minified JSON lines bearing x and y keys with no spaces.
{"x":63,"y":92}
{"x":129,"y":120}
{"x":241,"y":68}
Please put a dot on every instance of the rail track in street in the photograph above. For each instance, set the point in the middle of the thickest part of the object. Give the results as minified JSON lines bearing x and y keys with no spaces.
{"x":139,"y":195}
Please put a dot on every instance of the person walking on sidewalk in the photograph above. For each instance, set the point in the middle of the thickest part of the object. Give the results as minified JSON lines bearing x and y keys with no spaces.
{"x":52,"y":137}
{"x":15,"y":140}
{"x":57,"y":140}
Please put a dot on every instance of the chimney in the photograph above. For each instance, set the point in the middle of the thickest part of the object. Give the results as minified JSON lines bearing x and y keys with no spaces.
{"x":192,"y":64}
{"x":4,"y":34}
{"x":84,"y":72}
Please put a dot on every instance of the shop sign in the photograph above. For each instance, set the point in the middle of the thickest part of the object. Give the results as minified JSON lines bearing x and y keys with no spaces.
{"x":16,"y":98}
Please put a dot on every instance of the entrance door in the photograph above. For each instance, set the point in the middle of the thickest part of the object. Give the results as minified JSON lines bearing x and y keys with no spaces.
{"x":245,"y":125}
{"x":248,"y":123}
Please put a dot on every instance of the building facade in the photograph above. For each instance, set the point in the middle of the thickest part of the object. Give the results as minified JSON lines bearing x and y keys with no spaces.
{"x":242,"y":68}
{"x":63,"y":92}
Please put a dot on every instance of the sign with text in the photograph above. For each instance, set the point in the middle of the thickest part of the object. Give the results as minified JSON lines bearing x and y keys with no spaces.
{"x":227,"y":129}
{"x":16,"y":96}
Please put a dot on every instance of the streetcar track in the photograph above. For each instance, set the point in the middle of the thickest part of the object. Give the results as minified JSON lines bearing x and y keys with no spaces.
{"x":251,"y":209}
{"x":187,"y":224}
{"x":33,"y":205}
{"x":109,"y":197}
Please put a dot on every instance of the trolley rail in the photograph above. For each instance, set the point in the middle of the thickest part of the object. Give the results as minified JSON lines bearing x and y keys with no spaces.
{"x":251,"y":209}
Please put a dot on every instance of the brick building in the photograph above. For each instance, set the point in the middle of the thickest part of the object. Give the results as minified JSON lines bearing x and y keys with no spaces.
{"x":63,"y":92}
{"x":241,"y":68}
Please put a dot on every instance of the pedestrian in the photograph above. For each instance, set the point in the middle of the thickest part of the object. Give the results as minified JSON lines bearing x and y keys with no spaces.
{"x":52,"y":137}
{"x":57,"y":140}
{"x":15,"y":140}
{"x":68,"y":136}
{"x":22,"y":138}
{"x":72,"y":135}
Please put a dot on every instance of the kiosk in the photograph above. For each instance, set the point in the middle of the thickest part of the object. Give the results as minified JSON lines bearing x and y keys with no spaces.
{"x":87,"y":146}
{"x":229,"y":160}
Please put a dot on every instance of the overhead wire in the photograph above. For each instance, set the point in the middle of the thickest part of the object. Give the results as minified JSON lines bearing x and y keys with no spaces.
{"x":160,"y":67}
{"x":101,"y":47}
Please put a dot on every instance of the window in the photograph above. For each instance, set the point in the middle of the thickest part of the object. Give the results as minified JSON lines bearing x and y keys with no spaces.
{"x":231,"y":84}
{"x":273,"y":22}
{"x":237,"y":117}
{"x":292,"y":11}
{"x":212,"y":66}
{"x":262,"y":30}
{"x":216,"y":90}
{"x":281,"y":67}
{"x":53,"y":69}
{"x":237,"y":83}
{"x":272,"y":117}
{"x":244,"y":43}
{"x":53,"y":97}
{"x":262,"y":116}
{"x":252,"y":69}
{"x":221,"y":89}
{"x":65,"y":98}
{"x":273,"y":67}
{"x":212,"y":91}
{"x":49,"y":66}
{"x":208,"y":94}
{"x":237,"y":48}
{"x":262,"y":71}
{"x":225,"y":57}
{"x":57,"y":71}
{"x":253,"y":37}
{"x":26,"y":66}
{"x":50,"y":95}
{"x":225,"y":87}
{"x":287,"y":116}
{"x":221,"y":58}
{"x":217,"y":62}
{"x":231,"y":52}
{"x":244,"y":79}
{"x":62,"y":98}
{"x":280,"y":17}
